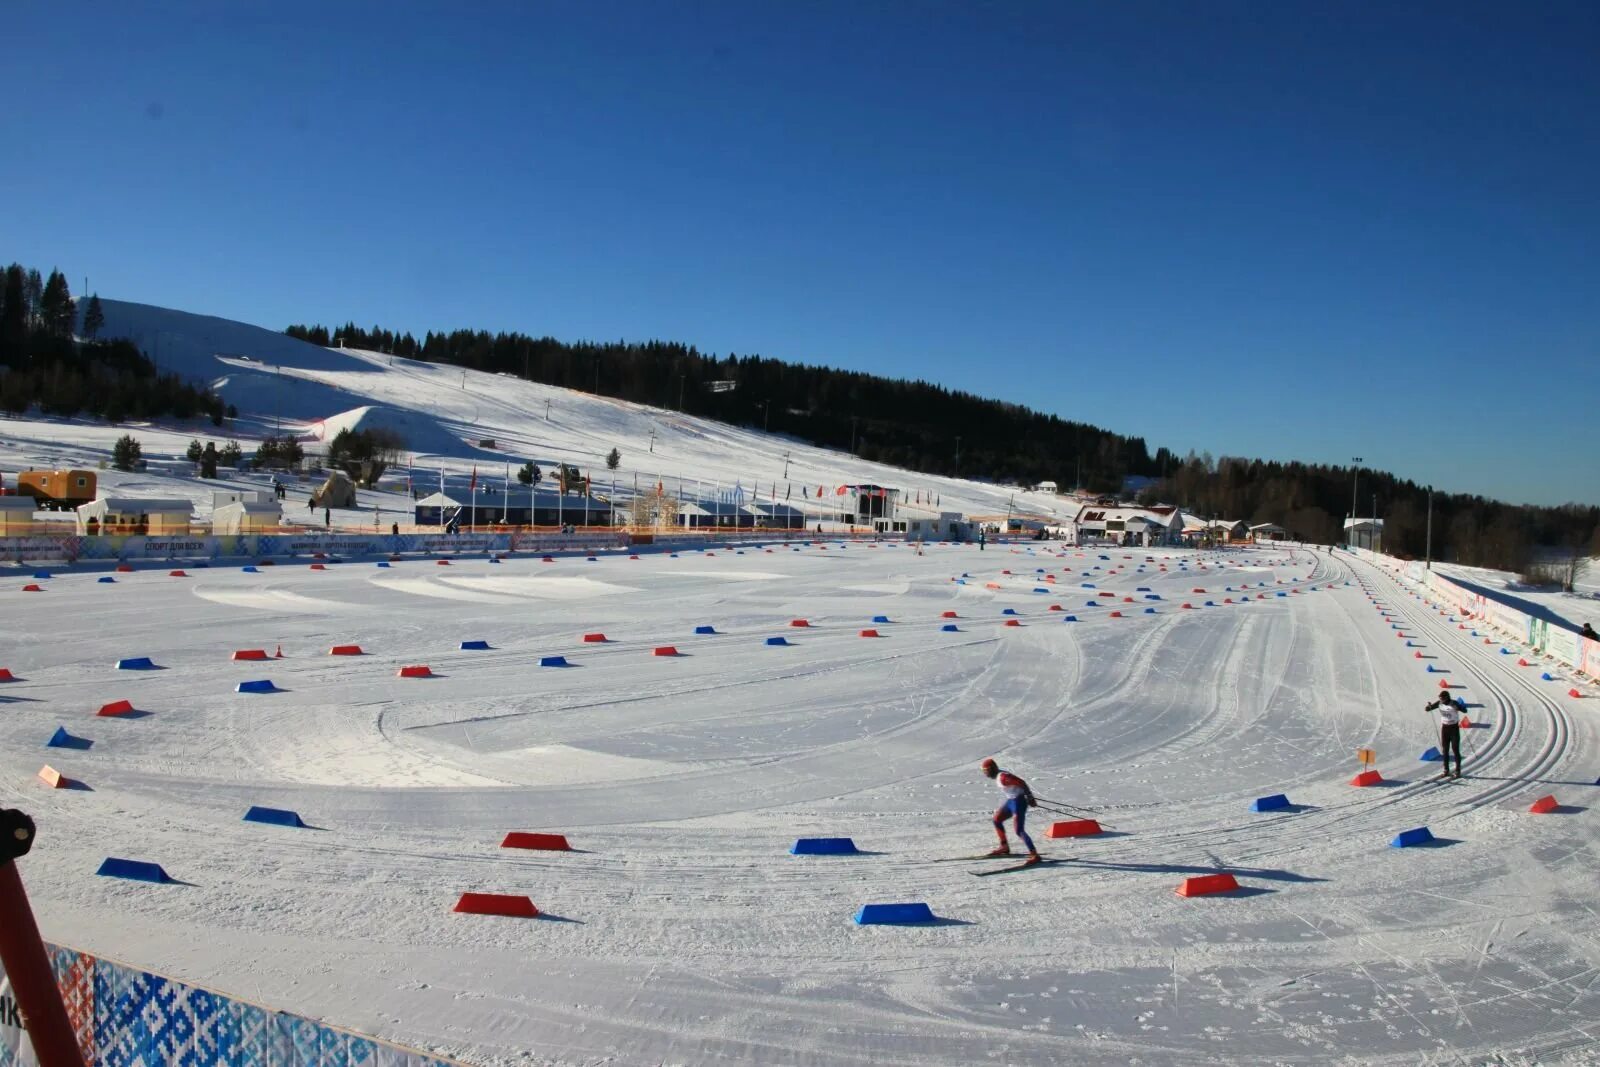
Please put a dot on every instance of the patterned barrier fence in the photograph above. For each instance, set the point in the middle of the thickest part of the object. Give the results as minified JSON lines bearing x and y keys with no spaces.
{"x":125,"y":1017}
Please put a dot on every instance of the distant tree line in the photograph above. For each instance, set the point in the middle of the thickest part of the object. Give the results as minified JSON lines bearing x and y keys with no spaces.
{"x":912,"y":424}
{"x":1311,"y":502}
{"x":44,"y":364}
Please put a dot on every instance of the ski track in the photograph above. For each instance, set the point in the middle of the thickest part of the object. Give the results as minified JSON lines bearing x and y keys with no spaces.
{"x":683,"y":933}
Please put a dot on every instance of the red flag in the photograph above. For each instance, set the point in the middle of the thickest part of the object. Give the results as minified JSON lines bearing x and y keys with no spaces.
{"x":472,"y":486}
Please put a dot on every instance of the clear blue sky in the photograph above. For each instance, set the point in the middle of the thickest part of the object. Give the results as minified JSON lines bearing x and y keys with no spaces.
{"x":1294,"y":230}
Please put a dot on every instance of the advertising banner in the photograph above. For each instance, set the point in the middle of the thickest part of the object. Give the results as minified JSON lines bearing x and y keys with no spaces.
{"x":1564,"y":645}
{"x":39,"y":547}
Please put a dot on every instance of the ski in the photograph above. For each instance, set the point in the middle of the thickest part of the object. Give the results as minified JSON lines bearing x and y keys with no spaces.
{"x":966,"y":859}
{"x":1019,"y":867}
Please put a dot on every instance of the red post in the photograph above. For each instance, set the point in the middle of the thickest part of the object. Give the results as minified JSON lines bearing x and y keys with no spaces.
{"x":22,"y":952}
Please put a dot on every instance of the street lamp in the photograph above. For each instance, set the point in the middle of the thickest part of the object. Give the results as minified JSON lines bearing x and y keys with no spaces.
{"x":1355,"y":475}
{"x":786,"y":465}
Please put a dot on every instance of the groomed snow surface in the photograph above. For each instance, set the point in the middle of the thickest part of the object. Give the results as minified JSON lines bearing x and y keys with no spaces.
{"x":681,"y":931}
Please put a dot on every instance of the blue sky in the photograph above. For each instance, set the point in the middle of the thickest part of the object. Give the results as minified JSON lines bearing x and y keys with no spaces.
{"x":1280,"y":230}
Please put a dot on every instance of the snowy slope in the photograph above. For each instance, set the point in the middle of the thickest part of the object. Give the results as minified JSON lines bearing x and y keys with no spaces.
{"x":279,"y":383}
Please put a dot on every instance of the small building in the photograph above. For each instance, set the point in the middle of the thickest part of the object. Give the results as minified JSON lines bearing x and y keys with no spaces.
{"x":58,"y":490}
{"x":944,"y":526}
{"x":222,"y":497}
{"x":134,"y":515}
{"x":16,"y":515}
{"x":1045,"y":487}
{"x":715,"y":514}
{"x":1364,"y":533}
{"x":1128,"y":526}
{"x":434,"y":510}
{"x":1223,"y":530}
{"x":1267,"y":531}
{"x":774,"y":515}
{"x":246,"y":517}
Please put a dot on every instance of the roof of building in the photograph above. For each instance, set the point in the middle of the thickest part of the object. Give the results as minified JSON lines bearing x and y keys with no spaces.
{"x":251,"y":507}
{"x":1349,"y":522}
{"x":1154,"y":516}
{"x":143,"y":505}
{"x":773,"y":507}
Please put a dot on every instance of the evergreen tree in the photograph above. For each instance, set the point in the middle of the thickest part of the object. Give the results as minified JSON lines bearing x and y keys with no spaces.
{"x":14,"y":318}
{"x":613,"y":459}
{"x":56,"y":312}
{"x":94,"y":319}
{"x":126,"y":453}
{"x":230,"y":453}
{"x":194,"y":452}
{"x":34,"y":293}
{"x":528,"y":474}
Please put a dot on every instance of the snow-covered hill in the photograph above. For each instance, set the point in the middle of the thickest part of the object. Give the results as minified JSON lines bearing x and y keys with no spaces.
{"x":278,"y":383}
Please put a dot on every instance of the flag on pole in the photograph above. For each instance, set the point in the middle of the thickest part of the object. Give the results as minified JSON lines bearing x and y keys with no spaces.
{"x":472,"y":486}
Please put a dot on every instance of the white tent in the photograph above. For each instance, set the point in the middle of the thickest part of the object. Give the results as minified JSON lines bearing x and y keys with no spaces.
{"x":246,"y":516}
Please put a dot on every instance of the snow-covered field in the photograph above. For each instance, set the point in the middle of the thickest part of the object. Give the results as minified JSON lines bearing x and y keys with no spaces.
{"x":680,"y":930}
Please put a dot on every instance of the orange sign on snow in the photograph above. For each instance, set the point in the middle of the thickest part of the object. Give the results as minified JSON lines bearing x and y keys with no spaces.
{"x":1366,"y":756}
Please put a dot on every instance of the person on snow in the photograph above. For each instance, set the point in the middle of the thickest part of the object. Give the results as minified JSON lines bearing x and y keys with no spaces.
{"x":1449,"y":711}
{"x":1019,"y":798}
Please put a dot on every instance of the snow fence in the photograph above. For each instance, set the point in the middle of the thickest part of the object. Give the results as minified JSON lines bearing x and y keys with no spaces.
{"x":124,"y":1016}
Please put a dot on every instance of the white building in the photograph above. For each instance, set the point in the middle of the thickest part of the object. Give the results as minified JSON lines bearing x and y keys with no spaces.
{"x":246,"y":516}
{"x":1131,"y":526}
{"x":1364,"y":533}
{"x":16,"y":515}
{"x":135,"y":515}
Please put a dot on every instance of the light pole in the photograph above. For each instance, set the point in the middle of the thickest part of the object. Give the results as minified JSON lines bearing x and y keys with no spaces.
{"x":852,"y":434}
{"x":958,"y":453}
{"x":786,"y":466}
{"x":652,"y":440}
{"x":766,"y":411}
{"x":1355,"y":475}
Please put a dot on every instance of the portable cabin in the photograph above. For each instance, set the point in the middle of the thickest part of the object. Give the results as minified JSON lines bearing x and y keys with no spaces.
{"x":16,"y":515}
{"x":59,"y":490}
{"x":134,"y":515}
{"x":247,"y":517}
